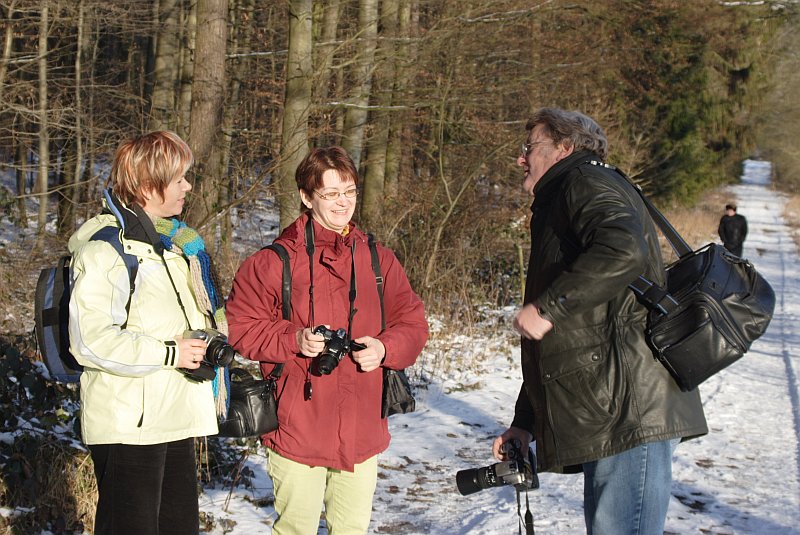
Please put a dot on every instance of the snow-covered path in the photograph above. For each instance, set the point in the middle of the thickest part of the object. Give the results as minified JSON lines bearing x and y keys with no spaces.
{"x":742,"y":478}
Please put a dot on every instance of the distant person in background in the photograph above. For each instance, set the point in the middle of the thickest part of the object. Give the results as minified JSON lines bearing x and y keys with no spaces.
{"x":732,"y":230}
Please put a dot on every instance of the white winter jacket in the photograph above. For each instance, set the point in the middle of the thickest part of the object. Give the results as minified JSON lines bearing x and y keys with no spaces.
{"x":131,"y":392}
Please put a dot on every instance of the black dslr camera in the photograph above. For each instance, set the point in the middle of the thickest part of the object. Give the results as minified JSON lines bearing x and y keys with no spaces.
{"x":337,"y":345}
{"x":218,"y":353}
{"x":519,"y":470}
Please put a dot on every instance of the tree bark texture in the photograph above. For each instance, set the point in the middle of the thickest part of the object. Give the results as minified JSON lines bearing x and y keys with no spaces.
{"x":208,"y":95}
{"x":165,"y":75}
{"x":297,"y":103}
{"x":355,"y":118}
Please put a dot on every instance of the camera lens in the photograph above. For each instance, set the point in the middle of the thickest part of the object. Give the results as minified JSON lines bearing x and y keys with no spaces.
{"x":219,"y":353}
{"x":326,"y":364}
{"x":475,"y":479}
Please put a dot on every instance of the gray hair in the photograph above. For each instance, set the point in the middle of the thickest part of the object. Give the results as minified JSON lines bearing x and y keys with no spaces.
{"x":572,"y":127}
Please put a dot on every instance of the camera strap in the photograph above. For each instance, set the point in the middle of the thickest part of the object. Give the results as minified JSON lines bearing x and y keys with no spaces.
{"x":528,"y":520}
{"x":175,"y":289}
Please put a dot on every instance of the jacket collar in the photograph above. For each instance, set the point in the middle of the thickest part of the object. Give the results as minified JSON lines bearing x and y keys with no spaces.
{"x":294,"y":235}
{"x":554,"y":175}
{"x":136,"y":224}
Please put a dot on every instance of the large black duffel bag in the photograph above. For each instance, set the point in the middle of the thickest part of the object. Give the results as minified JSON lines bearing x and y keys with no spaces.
{"x":714,"y":306}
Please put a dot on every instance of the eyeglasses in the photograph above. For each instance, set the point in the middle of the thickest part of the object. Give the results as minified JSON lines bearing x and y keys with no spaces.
{"x":528,"y":147}
{"x":334,"y":195}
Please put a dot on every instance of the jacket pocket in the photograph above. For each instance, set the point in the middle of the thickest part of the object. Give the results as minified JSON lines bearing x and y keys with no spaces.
{"x":583,"y":393}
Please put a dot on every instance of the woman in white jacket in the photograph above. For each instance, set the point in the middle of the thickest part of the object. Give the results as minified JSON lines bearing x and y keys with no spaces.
{"x":141,"y":405}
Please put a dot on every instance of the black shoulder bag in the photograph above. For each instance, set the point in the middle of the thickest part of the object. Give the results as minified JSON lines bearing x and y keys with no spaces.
{"x":253,"y":407}
{"x":713,"y":307}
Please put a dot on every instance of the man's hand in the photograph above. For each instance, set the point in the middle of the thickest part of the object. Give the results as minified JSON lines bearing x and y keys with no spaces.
{"x":524,"y":437}
{"x":530,"y":324}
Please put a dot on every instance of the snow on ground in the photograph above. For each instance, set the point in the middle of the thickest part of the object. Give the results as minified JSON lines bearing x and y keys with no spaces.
{"x":742,"y":478}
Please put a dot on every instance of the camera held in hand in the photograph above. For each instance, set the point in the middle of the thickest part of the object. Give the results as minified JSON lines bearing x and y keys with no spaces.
{"x":337,"y":345}
{"x":218,"y":353}
{"x":519,"y":470}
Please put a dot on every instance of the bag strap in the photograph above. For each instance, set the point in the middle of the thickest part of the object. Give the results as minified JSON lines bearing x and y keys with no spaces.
{"x":376,"y":268}
{"x":286,"y":293}
{"x":110,"y":235}
{"x":650,"y":294}
{"x":675,"y":240}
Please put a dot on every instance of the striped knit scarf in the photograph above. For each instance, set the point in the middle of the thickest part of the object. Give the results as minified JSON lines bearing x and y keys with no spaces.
{"x":185,"y":241}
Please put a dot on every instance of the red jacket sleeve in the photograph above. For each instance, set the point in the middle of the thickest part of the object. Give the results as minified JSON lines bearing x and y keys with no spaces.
{"x":257,"y":329}
{"x":406,"y":329}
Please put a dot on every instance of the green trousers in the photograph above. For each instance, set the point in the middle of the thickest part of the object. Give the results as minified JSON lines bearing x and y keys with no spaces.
{"x":301,"y":490}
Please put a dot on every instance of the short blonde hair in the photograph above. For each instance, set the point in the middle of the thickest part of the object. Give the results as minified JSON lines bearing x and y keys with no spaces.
{"x":148,"y":163}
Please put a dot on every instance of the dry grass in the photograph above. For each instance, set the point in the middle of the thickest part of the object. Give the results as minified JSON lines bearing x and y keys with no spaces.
{"x":59,"y":492}
{"x":791,"y":213}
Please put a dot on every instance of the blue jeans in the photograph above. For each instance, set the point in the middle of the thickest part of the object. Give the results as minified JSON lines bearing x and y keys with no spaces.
{"x":629,"y":493}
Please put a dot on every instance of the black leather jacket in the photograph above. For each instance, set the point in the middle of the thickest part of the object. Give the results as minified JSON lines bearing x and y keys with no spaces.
{"x":591,"y":387}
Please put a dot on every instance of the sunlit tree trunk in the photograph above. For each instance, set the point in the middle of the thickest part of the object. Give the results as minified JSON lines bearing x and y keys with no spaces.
{"x":71,"y":196}
{"x":188,"y":34}
{"x":8,"y":42}
{"x":297,"y":102}
{"x":399,"y":122}
{"x":242,"y":27}
{"x":21,"y":160}
{"x":356,"y":115}
{"x":375,"y":166}
{"x":323,"y":59}
{"x":208,"y":95}
{"x":165,"y":75}
{"x":44,"y":137}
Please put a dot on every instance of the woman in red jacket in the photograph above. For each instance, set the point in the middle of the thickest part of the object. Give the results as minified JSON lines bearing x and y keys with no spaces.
{"x":331,"y":430}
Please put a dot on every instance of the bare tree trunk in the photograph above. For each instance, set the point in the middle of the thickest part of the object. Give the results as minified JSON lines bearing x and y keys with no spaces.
{"x":44,"y":138}
{"x":208,"y":95}
{"x":8,"y":43}
{"x":89,"y":184}
{"x":375,"y":166}
{"x":356,"y":115}
{"x":297,"y":102}
{"x":241,"y":44}
{"x":165,"y":75}
{"x":72,"y":196}
{"x":22,"y":165}
{"x":187,"y":71}
{"x":324,"y":53}
{"x":403,"y":69}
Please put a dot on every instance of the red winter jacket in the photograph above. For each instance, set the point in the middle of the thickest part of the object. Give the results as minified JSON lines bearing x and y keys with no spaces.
{"x":341,"y":424}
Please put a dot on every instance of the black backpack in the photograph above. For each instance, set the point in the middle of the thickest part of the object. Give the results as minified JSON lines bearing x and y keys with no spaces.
{"x":51,"y":309}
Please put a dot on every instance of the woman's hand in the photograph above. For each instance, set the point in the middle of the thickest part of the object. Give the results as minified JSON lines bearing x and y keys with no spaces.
{"x":372,"y":356}
{"x":310,"y":344}
{"x":191,"y":352}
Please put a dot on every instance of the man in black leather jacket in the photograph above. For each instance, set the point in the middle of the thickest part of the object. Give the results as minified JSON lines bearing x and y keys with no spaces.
{"x":593,"y":397}
{"x":732,"y":230}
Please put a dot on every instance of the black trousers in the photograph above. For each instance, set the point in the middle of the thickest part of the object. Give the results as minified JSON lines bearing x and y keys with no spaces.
{"x":146,"y":490}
